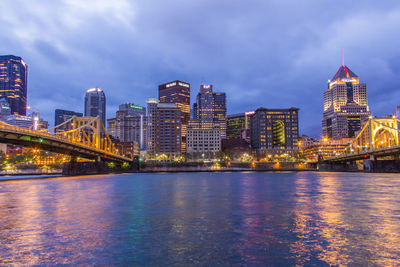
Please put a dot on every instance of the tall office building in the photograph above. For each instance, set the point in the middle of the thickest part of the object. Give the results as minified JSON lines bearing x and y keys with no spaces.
{"x":129,"y":125}
{"x":345,"y":105}
{"x":210,"y":107}
{"x":177,"y":93}
{"x":151,"y":107}
{"x":275,"y":131}
{"x":95,"y":104}
{"x":61,"y":116}
{"x":167,"y":129}
{"x":132,"y":110}
{"x":13,"y":83}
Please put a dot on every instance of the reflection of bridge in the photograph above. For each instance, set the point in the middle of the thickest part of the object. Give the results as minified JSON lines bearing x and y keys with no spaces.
{"x":379,"y":138}
{"x":86,"y":138}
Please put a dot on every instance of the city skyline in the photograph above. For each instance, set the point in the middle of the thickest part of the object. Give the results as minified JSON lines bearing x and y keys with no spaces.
{"x":238,"y":57}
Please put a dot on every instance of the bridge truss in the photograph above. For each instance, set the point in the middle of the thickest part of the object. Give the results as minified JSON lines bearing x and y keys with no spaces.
{"x":379,"y":137}
{"x":85,"y":137}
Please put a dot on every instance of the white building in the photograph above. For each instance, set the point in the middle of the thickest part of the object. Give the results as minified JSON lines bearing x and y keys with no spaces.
{"x":203,"y":137}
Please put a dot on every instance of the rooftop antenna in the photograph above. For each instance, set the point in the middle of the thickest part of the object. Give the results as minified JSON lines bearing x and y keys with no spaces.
{"x":342,"y":57}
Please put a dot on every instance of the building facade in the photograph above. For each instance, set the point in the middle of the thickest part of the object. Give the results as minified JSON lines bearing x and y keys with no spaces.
{"x":167,"y":128}
{"x":210,"y":107}
{"x":129,"y":125}
{"x":275,"y":131}
{"x":151,"y":107}
{"x":95,"y":104}
{"x":345,"y":105}
{"x":238,"y":125}
{"x":203,"y":138}
{"x":62,"y":115}
{"x":178,"y":93}
{"x":13,"y":83}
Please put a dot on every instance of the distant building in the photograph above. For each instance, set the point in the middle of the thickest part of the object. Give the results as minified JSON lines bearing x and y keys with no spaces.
{"x":275,"y":131}
{"x":236,"y":147}
{"x":203,"y":138}
{"x":132,"y":109}
{"x":238,"y":125}
{"x":27,"y":122}
{"x":167,"y":129}
{"x":178,"y":93}
{"x":95,"y":104}
{"x":345,"y":105}
{"x":129,"y":125}
{"x":128,"y":149}
{"x":210,"y":107}
{"x":13,"y":83}
{"x":5,"y":109}
{"x":62,"y":115}
{"x":324,"y":148}
{"x":151,"y":107}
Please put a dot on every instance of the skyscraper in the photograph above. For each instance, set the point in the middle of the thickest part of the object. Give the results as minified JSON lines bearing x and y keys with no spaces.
{"x":129,"y":125}
{"x":211,"y":107}
{"x":167,"y":129}
{"x":61,"y":116}
{"x":345,"y":105}
{"x":151,"y":107}
{"x":13,"y":83}
{"x":178,"y":93}
{"x":95,"y":104}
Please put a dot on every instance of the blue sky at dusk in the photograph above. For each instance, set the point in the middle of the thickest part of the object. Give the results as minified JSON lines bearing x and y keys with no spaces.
{"x":274,"y":54}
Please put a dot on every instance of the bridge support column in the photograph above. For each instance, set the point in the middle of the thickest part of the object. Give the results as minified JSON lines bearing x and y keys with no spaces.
{"x":84,"y":168}
{"x":338,"y":166}
{"x":373,"y":165}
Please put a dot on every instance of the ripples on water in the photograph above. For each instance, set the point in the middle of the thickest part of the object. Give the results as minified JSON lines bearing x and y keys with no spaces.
{"x":201,"y":218}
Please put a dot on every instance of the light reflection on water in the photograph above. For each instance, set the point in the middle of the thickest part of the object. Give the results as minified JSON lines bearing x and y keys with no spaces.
{"x":202,"y":218}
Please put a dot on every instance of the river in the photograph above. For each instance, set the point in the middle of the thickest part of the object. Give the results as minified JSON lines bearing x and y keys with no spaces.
{"x":207,"y":219}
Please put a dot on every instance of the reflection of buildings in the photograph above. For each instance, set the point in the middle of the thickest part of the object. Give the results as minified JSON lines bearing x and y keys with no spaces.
{"x":95,"y":104}
{"x":177,"y":93}
{"x":61,"y":116}
{"x":345,"y":105}
{"x":275,"y":131}
{"x":13,"y":83}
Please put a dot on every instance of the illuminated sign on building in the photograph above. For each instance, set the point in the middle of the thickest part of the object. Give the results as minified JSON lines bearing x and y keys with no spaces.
{"x":170,"y":84}
{"x":136,"y":107}
{"x":249,"y":113}
{"x":184,"y":84}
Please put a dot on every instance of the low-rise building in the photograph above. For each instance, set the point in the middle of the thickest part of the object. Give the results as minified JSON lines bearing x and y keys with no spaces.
{"x":203,"y":137}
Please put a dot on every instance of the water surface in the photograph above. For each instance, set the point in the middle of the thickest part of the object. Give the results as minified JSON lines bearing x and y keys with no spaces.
{"x":291,"y":218}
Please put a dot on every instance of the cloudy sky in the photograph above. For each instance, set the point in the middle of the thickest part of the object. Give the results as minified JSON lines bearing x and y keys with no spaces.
{"x":269,"y":53}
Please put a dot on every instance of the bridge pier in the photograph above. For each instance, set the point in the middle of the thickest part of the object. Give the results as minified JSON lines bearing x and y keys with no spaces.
{"x":373,"y":165}
{"x":84,"y":168}
{"x":350,"y":166}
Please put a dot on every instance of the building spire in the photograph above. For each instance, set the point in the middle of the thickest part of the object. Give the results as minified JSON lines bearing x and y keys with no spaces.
{"x":342,"y":57}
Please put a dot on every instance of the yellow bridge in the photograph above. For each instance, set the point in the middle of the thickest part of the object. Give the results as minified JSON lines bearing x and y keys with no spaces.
{"x":86,"y":138}
{"x":376,"y":146}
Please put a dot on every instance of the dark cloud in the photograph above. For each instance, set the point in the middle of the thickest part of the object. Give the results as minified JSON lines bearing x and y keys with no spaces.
{"x":261,"y":53}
